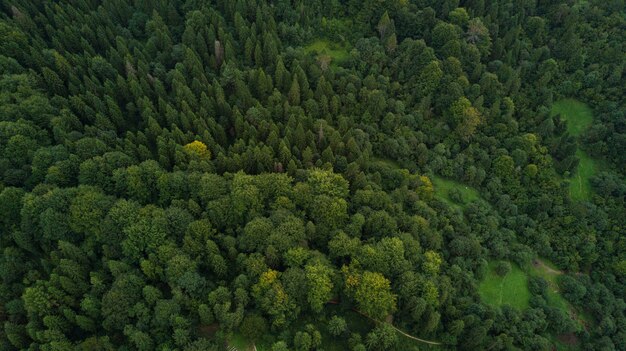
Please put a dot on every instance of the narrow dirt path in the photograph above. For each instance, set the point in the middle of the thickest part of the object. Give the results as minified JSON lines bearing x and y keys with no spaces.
{"x":416,"y":338}
{"x":539,"y":263}
{"x":429,"y":342}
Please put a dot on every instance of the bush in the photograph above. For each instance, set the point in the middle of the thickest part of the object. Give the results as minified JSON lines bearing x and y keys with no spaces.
{"x":456,"y":196}
{"x":337,"y":326}
{"x":503,"y":268}
{"x":253,"y":327}
{"x":280,"y":346}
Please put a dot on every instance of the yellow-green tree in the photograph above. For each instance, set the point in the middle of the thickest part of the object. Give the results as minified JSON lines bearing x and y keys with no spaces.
{"x":465,"y":117}
{"x":425,"y":189}
{"x":199,"y":149}
{"x":371,"y":291}
{"x":271,"y":297}
{"x":319,"y":285}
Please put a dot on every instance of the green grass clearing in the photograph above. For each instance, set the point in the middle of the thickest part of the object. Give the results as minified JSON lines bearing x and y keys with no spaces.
{"x":337,"y":52}
{"x":579,"y":118}
{"x":580,"y":186}
{"x":237,"y":340}
{"x":386,"y":162}
{"x":578,"y":115}
{"x":546,"y":270}
{"x":510,"y":289}
{"x":444,"y":187}
{"x":550,"y":273}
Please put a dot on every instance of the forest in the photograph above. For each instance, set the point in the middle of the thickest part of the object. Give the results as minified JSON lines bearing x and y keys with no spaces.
{"x":274,"y":175}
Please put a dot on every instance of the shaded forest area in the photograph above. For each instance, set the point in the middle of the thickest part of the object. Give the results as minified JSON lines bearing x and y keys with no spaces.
{"x":190,"y":175}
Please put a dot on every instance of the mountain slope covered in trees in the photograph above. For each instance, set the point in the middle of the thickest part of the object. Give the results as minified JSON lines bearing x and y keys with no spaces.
{"x":312,"y":175}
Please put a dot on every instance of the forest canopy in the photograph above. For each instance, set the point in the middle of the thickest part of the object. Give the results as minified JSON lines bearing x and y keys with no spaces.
{"x":312,"y":175}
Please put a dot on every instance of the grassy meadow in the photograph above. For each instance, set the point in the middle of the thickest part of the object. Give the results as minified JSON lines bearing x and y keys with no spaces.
{"x":579,"y":118}
{"x":337,"y":52}
{"x":444,"y":186}
{"x":510,"y":289}
{"x":578,"y":115}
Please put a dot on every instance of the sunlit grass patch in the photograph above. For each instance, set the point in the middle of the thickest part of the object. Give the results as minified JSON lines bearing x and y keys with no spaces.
{"x":510,"y":289}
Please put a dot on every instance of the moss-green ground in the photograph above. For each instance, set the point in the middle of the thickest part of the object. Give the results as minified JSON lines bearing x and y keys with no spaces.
{"x":511,"y":289}
{"x":580,"y":186}
{"x":238,"y":341}
{"x":443,"y":187}
{"x":578,"y":115}
{"x":337,"y":52}
{"x":579,"y":118}
{"x":549,"y":273}
{"x":494,"y":289}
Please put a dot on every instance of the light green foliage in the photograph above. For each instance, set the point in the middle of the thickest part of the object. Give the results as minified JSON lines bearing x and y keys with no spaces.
{"x":328,"y":183}
{"x":459,"y":16}
{"x":239,"y":341}
{"x":341,"y":245}
{"x":319,"y":285}
{"x":383,"y":337}
{"x":253,"y":327}
{"x":430,"y":77}
{"x":432,"y":262}
{"x":296,"y":256}
{"x":271,"y":297}
{"x":88,"y":209}
{"x":147,"y":233}
{"x":503,"y":167}
{"x":373,"y":295}
{"x":328,"y":207}
{"x":37,"y":300}
{"x":465,"y":118}
{"x":337,"y":326}
{"x":280,"y":346}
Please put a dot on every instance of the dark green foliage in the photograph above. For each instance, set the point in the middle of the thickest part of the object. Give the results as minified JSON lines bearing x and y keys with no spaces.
{"x":502,"y":268}
{"x":176,"y":173}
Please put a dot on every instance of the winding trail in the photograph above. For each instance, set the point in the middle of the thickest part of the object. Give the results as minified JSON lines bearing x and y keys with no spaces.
{"x":539,"y":263}
{"x":429,"y":342}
